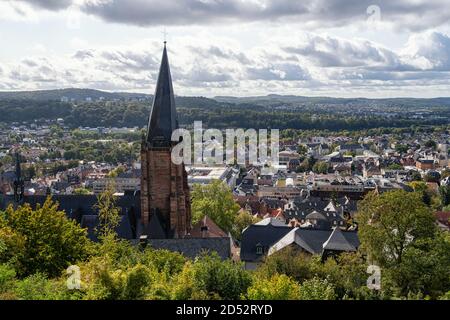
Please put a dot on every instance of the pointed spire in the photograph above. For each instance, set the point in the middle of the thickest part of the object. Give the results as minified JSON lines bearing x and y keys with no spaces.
{"x":18,"y":170}
{"x":163,"y":115}
{"x":18,"y":182}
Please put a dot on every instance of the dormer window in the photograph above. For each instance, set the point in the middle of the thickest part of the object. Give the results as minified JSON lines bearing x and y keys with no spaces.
{"x":259,"y":249}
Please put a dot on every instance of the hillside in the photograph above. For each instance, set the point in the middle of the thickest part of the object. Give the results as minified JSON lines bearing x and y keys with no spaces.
{"x":70,"y":93}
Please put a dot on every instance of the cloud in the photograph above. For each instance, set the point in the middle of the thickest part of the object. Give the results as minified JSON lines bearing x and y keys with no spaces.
{"x":428,"y":51}
{"x":53,"y":5}
{"x":186,"y":12}
{"x":310,"y":64}
{"x":280,"y":71}
{"x":83,"y":54}
{"x":312,"y":14}
{"x":327,"y":51}
{"x":316,"y":13}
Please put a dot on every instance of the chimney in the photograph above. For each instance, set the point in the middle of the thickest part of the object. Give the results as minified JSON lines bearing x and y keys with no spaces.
{"x":143,"y":241}
{"x":204,"y":231}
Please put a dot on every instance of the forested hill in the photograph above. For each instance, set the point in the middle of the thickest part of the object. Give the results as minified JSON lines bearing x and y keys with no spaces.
{"x":273,"y":99}
{"x":93,"y":108}
{"x":70,"y":94}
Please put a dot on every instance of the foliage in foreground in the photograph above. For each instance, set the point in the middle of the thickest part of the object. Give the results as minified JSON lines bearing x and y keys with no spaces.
{"x":36,"y":246}
{"x":41,"y":240}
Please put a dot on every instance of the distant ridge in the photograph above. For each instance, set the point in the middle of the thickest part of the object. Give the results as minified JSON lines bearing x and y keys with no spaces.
{"x":71,"y":94}
{"x":292,"y":99}
{"x":79,"y":94}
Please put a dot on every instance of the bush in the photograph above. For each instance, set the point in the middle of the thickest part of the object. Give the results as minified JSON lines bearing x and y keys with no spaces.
{"x":288,"y":261}
{"x":317,"y":289}
{"x":277,"y":287}
{"x":208,"y":277}
{"x":39,"y":287}
{"x":7,"y":280}
{"x":47,"y":241}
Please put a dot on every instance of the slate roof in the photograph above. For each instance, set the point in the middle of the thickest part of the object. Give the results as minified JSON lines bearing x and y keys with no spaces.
{"x":273,"y":203}
{"x":91,"y":222}
{"x":163,"y":117}
{"x":271,"y":221}
{"x":338,"y":242}
{"x":264,"y":234}
{"x":292,"y":237}
{"x":315,"y":208}
{"x":314,"y":241}
{"x":316,"y":215}
{"x":81,"y":208}
{"x":155,"y":228}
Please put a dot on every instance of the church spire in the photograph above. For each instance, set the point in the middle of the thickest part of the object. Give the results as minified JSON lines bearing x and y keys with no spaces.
{"x":18,"y":182}
{"x":163,"y":116}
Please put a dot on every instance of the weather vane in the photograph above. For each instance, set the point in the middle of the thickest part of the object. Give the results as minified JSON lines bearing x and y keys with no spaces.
{"x":165,"y":35}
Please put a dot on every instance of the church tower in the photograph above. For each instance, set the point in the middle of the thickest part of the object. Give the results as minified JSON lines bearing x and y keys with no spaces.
{"x":18,"y":182}
{"x":165,"y":199}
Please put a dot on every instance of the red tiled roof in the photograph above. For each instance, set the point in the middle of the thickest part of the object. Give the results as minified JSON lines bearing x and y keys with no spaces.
{"x":213,"y":230}
{"x":443,"y":217}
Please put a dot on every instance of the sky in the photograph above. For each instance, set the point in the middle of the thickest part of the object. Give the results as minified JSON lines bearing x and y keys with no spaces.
{"x":340,"y":48}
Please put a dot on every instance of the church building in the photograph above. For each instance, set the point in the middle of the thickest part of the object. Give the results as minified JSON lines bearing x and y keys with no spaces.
{"x":160,"y":214}
{"x":165,"y":200}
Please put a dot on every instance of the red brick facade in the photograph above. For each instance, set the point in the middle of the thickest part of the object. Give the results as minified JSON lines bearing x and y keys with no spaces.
{"x":164,"y":188}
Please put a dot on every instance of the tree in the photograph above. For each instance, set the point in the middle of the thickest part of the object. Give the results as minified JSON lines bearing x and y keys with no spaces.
{"x":424,"y":268}
{"x":395,"y":166}
{"x":347,"y":274}
{"x":307,"y":164}
{"x":389,"y":223}
{"x":216,"y":201}
{"x":288,"y":261}
{"x":242,"y":221}
{"x":51,"y":242}
{"x":320,"y":167}
{"x":39,"y":287}
{"x":81,"y":191}
{"x":430,"y":144}
{"x":211,"y":278}
{"x":7,"y":281}
{"x":275,"y":287}
{"x":121,"y":270}
{"x":401,"y":148}
{"x":415,"y":176}
{"x":444,"y":192}
{"x":108,"y":213}
{"x":421,"y":188}
{"x":106,"y":282}
{"x":11,"y":243}
{"x":445,"y":173}
{"x":29,"y":172}
{"x":301,"y":149}
{"x":433,"y":177}
{"x":317,"y":289}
